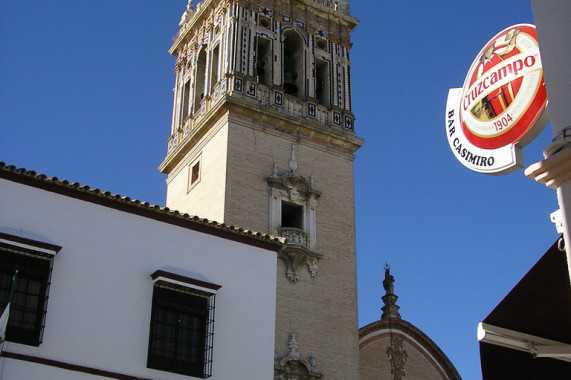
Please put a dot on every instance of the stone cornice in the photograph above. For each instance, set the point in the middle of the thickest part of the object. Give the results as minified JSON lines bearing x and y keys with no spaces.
{"x":294,"y":125}
{"x":262,"y":118}
{"x":200,"y":14}
{"x":207,"y":121}
{"x":554,"y":171}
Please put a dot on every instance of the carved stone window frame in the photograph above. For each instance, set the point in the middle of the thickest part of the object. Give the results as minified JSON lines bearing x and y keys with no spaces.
{"x":301,"y":243}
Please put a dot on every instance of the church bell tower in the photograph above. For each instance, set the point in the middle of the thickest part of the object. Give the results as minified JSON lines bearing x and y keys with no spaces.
{"x":262,"y":137}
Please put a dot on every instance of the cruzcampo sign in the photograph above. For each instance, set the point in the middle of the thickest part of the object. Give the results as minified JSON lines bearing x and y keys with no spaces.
{"x":502,"y":106}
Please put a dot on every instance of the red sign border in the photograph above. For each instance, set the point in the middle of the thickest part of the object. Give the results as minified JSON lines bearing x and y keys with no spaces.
{"x":527,"y":119}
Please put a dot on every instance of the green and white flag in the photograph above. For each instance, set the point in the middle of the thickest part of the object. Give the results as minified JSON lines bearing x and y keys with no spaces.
{"x":6,"y":313}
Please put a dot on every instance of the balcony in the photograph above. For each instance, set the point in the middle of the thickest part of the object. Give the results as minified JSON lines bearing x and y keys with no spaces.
{"x":294,"y":236}
{"x":297,"y":254}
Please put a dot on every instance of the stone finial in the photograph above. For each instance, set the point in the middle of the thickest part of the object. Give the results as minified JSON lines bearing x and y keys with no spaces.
{"x":389,"y":281}
{"x":292,"y":161}
{"x":187,"y":15}
{"x":293,"y":346}
{"x":390,"y":309}
{"x":292,"y":366}
{"x":312,"y":362}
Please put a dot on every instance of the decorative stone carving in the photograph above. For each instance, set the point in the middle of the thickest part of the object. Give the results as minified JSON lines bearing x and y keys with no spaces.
{"x":293,"y":367}
{"x":295,"y":257}
{"x":312,"y":265}
{"x":293,"y":346}
{"x":396,"y":353}
{"x":224,"y":5}
{"x":397,"y":357}
{"x":292,"y":161}
{"x":187,"y":15}
{"x":180,"y":62}
{"x":300,"y":244}
{"x":390,"y":308}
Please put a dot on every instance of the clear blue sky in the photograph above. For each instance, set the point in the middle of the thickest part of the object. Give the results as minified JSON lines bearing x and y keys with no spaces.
{"x":86,"y":95}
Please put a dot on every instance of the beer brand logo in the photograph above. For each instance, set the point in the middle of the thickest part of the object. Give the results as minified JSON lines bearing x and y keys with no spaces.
{"x":504,"y":91}
{"x":500,"y":108}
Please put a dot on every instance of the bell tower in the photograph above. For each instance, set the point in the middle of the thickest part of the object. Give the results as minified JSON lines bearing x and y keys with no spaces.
{"x":262,"y":137}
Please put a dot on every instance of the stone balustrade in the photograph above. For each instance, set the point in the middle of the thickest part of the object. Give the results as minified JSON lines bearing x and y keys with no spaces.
{"x":339,"y":5}
{"x":294,"y":236}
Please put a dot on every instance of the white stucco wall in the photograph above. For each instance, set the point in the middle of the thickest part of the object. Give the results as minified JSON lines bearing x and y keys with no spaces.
{"x":100,"y":298}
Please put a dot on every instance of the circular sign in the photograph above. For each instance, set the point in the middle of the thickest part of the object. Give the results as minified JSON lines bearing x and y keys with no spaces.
{"x":504,"y":92}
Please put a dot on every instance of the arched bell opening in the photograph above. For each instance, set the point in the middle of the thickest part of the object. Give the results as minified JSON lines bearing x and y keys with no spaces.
{"x":293,"y":63}
{"x":264,"y":61}
{"x":199,"y":88}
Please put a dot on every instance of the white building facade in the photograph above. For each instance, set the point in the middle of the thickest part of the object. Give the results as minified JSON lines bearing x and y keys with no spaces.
{"x":101,"y":280}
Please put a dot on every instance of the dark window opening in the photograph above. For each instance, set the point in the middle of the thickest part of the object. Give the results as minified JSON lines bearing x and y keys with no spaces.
{"x":265,"y":22}
{"x":195,"y":173}
{"x":322,"y":81}
{"x":199,"y":79}
{"x":292,"y":215}
{"x":29,"y":302}
{"x":185,"y":97}
{"x":182,"y":328}
{"x":321,"y":44}
{"x":293,"y":63}
{"x":264,"y":61}
{"x":214,"y":73}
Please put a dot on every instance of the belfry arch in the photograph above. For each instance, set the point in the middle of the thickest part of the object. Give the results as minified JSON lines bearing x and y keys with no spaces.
{"x":293,"y":63}
{"x":264,"y":61}
{"x":199,"y":79}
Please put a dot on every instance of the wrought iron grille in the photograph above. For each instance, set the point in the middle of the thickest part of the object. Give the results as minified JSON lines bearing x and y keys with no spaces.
{"x":30,"y":299}
{"x":182,"y":330}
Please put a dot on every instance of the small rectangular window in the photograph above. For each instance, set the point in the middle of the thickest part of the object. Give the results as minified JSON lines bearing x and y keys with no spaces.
{"x":195,"y":176}
{"x":182,"y":330}
{"x":30,"y":298}
{"x":194,"y":173}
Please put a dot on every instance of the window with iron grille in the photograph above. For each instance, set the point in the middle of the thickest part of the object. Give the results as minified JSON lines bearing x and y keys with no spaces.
{"x":30,"y":299}
{"x":182,"y":330}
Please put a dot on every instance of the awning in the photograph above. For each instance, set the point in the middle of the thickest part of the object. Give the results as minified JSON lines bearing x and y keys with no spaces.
{"x":528,"y":335}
